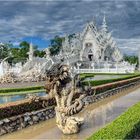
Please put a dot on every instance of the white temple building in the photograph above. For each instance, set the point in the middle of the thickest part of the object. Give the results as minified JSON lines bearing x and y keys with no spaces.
{"x":93,"y":50}
{"x":93,"y":44}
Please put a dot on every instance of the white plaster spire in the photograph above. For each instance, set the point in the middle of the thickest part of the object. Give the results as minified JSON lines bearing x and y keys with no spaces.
{"x":31,"y":51}
{"x":104,"y":24}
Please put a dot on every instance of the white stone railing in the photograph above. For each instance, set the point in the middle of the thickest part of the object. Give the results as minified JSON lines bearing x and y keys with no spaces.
{"x":105,"y":70}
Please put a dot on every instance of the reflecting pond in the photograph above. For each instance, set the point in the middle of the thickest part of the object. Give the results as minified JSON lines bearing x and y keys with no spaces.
{"x":13,"y":98}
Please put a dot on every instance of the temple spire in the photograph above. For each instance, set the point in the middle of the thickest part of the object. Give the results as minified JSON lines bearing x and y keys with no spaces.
{"x":31,"y":52}
{"x":104,"y":24}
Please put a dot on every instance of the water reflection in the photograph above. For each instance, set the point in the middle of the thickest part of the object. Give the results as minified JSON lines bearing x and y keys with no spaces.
{"x":13,"y":98}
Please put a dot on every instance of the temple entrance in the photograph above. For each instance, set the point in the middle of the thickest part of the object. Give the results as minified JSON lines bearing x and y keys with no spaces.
{"x":90,"y":57}
{"x":87,"y":53}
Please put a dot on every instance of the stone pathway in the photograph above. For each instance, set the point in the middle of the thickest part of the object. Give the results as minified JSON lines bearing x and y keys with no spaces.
{"x":96,"y":116}
{"x":103,"y":77}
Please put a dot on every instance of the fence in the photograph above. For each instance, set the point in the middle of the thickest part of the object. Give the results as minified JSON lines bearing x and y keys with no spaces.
{"x":105,"y":70}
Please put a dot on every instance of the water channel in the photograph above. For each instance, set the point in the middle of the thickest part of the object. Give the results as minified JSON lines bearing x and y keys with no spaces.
{"x":96,"y":115}
{"x":13,"y":98}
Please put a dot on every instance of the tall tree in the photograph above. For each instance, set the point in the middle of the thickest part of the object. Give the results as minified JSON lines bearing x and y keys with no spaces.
{"x":56,"y":45}
{"x":24,"y":49}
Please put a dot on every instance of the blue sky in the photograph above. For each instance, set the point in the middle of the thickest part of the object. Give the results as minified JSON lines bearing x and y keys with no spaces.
{"x":40,"y":21}
{"x":40,"y":42}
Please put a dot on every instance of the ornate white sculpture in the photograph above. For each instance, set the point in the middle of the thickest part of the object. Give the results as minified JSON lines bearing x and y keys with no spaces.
{"x":31,"y":52}
{"x":47,"y":51}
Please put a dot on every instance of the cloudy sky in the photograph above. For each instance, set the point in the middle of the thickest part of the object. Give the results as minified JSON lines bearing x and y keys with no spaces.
{"x":40,"y":21}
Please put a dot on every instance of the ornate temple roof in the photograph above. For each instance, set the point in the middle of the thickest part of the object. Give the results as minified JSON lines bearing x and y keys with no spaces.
{"x":101,"y":36}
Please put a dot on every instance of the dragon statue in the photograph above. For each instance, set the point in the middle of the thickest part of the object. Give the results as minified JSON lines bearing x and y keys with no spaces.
{"x":68,"y":91}
{"x":66,"y":87}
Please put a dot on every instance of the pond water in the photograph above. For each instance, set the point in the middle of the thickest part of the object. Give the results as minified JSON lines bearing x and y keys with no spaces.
{"x":13,"y":98}
{"x":103,"y":77}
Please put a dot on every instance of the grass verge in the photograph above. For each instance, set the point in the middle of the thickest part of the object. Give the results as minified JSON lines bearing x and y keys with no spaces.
{"x":124,"y":127}
{"x":10,"y":91}
{"x":101,"y":82}
{"x":22,"y":92}
{"x":86,"y":75}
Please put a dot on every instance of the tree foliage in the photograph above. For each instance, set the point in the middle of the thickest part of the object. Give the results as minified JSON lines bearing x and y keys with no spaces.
{"x":39,"y":53}
{"x":20,"y":54}
{"x":56,"y":45}
{"x":24,"y":49}
{"x":4,"y":50}
{"x":131,"y":59}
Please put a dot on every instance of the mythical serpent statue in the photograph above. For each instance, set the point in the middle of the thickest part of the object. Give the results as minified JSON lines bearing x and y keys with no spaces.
{"x":68,"y":92}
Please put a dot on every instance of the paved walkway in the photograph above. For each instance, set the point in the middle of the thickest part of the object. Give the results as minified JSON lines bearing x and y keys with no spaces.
{"x":96,"y":116}
{"x":21,"y":85}
{"x":103,"y":77}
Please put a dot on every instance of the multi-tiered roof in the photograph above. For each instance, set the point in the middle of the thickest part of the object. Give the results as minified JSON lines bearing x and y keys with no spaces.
{"x":104,"y":41}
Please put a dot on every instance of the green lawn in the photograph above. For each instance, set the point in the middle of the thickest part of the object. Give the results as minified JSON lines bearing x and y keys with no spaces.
{"x":9,"y":91}
{"x":105,"y":81}
{"x":89,"y":75}
{"x":126,"y":126}
{"x":86,"y":75}
{"x":22,"y":92}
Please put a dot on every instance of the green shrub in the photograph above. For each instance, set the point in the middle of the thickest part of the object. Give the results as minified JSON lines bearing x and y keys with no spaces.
{"x":86,"y":75}
{"x":126,"y":126}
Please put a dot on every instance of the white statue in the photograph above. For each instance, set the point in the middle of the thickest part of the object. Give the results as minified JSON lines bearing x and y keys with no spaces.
{"x":31,"y":52}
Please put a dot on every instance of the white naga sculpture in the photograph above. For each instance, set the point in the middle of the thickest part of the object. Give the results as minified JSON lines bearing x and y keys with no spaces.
{"x":69,"y":94}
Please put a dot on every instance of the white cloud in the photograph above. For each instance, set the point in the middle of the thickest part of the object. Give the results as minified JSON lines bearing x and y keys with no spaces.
{"x":129,"y":46}
{"x":46,"y":19}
